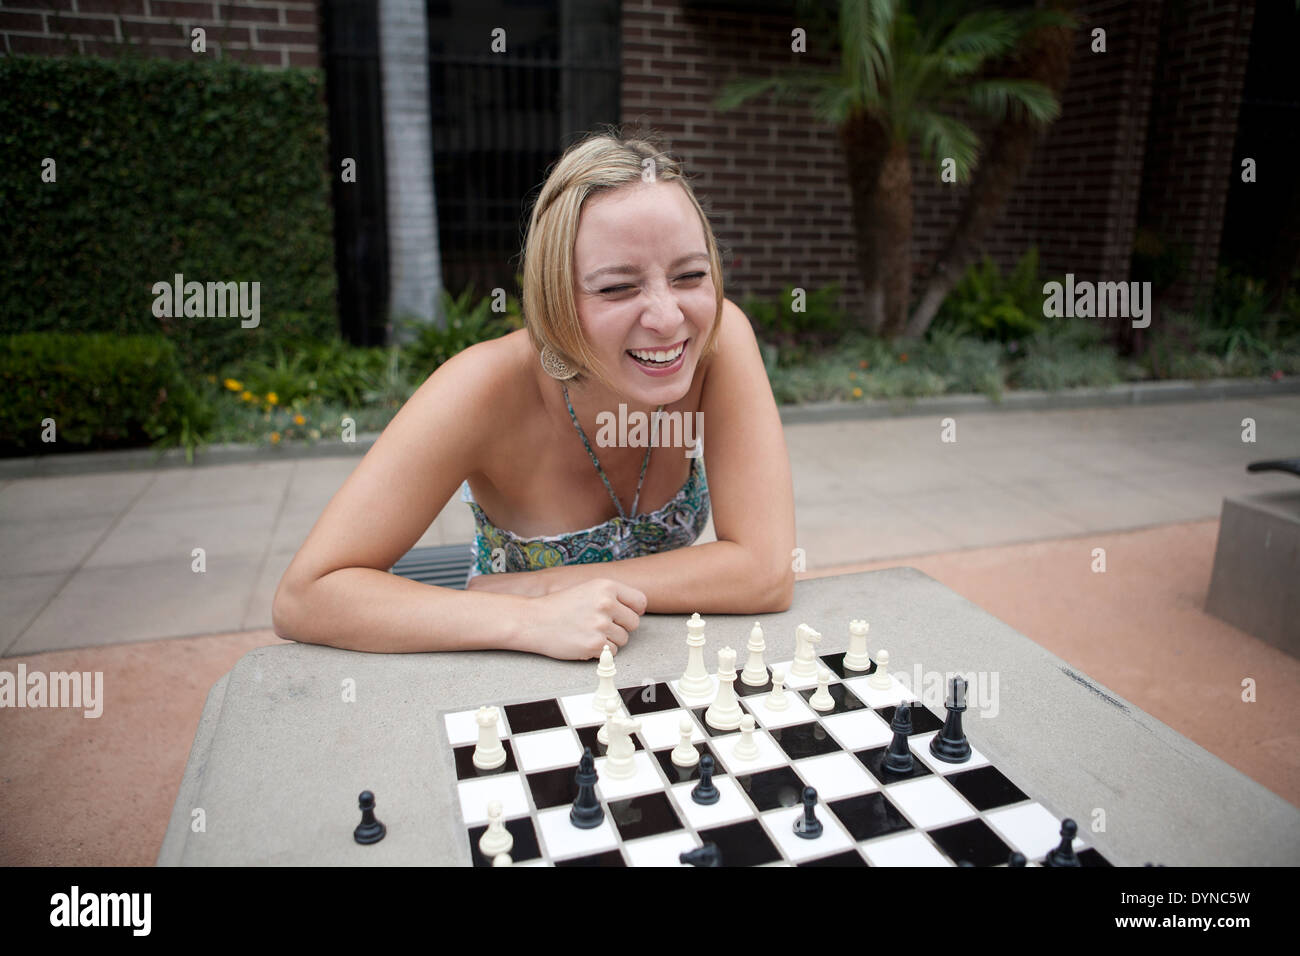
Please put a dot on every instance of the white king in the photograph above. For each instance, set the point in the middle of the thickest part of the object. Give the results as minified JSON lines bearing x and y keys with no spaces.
{"x":695,"y":682}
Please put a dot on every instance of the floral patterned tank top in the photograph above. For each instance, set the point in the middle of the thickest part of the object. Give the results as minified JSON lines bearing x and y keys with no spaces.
{"x":677,"y":524}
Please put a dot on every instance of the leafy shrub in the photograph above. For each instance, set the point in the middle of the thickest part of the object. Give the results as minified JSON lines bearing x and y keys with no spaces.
{"x":790,"y":336}
{"x":102,"y":391}
{"x":468,"y":322}
{"x":985,"y":304}
{"x":211,"y":169}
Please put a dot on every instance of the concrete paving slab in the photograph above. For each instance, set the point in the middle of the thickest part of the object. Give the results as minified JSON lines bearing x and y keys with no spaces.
{"x":178,"y":490}
{"x":142,"y":602}
{"x":50,"y":543}
{"x":222,"y":531}
{"x":21,"y":599}
{"x":72,"y":496}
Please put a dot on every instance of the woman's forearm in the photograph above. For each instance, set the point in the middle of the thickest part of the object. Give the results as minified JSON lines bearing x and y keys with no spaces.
{"x":363,"y":609}
{"x":721,"y":577}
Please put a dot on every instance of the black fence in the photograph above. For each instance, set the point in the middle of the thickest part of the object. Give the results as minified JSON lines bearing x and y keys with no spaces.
{"x":498,"y":118}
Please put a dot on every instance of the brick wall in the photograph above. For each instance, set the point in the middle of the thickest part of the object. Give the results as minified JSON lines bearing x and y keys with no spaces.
{"x":1190,"y":163}
{"x":775,"y":177}
{"x":266,"y":32}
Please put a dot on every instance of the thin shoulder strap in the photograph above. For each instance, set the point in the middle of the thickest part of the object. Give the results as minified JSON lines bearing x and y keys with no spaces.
{"x":596,"y":461}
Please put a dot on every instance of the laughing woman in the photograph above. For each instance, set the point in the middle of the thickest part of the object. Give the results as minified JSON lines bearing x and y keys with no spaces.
{"x":578,"y":534}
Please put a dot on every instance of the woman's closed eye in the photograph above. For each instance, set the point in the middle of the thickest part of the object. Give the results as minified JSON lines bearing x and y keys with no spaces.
{"x":693,"y":276}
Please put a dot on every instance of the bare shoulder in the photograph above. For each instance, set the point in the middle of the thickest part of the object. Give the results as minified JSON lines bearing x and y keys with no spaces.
{"x":737,"y":348}
{"x":475,"y":388}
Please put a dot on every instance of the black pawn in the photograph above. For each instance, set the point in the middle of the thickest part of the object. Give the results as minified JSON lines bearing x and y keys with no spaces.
{"x":950,"y":744}
{"x":369,"y":830}
{"x":1016,"y":859}
{"x":586,"y":812}
{"x":899,"y":758}
{"x":707,"y":855}
{"x":705,"y":792}
{"x":808,"y":826}
{"x":1064,"y":855}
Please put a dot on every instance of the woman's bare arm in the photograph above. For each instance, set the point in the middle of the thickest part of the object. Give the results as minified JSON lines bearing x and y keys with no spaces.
{"x":748,"y":570}
{"x":338,"y":590}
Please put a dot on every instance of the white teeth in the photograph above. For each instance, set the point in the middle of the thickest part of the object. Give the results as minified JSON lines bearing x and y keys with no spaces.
{"x":659,"y":356}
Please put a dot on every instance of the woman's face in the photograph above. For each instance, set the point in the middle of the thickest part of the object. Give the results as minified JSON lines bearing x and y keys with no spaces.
{"x":644,"y":289}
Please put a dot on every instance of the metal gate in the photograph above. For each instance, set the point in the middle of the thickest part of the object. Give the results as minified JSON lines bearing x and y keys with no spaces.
{"x":500,"y":119}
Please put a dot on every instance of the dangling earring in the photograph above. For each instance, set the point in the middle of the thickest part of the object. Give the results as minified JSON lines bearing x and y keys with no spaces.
{"x":555,"y":366}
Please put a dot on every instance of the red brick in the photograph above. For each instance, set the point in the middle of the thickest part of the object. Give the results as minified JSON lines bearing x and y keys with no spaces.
{"x":180,"y":9}
{"x":302,"y":17}
{"x":51,"y":46}
{"x":74,"y":25}
{"x":245,"y":13}
{"x":154,"y":29}
{"x":25,"y":22}
{"x":118,"y":7}
{"x":266,"y":35}
{"x":303,"y":58}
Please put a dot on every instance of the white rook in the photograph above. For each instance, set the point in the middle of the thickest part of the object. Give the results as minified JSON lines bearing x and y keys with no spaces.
{"x":489,"y":753}
{"x":858,"y":658}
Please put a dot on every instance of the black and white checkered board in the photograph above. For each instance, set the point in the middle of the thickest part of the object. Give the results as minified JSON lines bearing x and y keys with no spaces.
{"x":937,"y":815}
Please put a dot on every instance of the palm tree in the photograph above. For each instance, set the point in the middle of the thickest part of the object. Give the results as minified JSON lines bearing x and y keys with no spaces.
{"x":909,"y":73}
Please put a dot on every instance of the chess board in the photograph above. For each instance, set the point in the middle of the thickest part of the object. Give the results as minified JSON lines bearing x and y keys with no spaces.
{"x":939,"y":814}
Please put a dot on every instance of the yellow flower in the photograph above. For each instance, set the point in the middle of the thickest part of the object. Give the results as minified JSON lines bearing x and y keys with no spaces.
{"x":247,"y":396}
{"x":299,"y":420}
{"x":857,"y":393}
{"x":275,"y":438}
{"x":233,"y":385}
{"x":272,"y":398}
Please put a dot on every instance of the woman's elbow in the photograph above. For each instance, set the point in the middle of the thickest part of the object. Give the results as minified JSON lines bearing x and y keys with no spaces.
{"x":778,"y":593}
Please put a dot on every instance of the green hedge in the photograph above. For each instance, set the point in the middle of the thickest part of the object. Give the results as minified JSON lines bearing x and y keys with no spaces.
{"x":211,"y":169}
{"x":101,"y":390}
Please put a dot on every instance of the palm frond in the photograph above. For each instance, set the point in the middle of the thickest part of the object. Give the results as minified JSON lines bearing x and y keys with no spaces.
{"x":943,"y":137}
{"x":1019,"y":99}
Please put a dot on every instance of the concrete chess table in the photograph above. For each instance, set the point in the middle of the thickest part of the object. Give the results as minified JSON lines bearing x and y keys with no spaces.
{"x":280,"y":755}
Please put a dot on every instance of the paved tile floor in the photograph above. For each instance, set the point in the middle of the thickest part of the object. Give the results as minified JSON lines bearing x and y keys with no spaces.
{"x":90,"y":560}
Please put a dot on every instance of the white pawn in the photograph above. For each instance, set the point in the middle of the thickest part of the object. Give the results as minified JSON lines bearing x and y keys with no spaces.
{"x":822,"y":699}
{"x":880,"y":679}
{"x":745,"y":748}
{"x":605,"y":690}
{"x":755,"y":672}
{"x":611,"y":711}
{"x":496,"y":838}
{"x":489,"y":753}
{"x":775,"y":700}
{"x":858,"y":657}
{"x":502,"y":859}
{"x":724,"y":712}
{"x":685,"y":754}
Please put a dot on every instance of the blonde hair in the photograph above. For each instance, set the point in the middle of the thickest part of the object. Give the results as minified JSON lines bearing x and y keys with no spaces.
{"x":600,"y":162}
